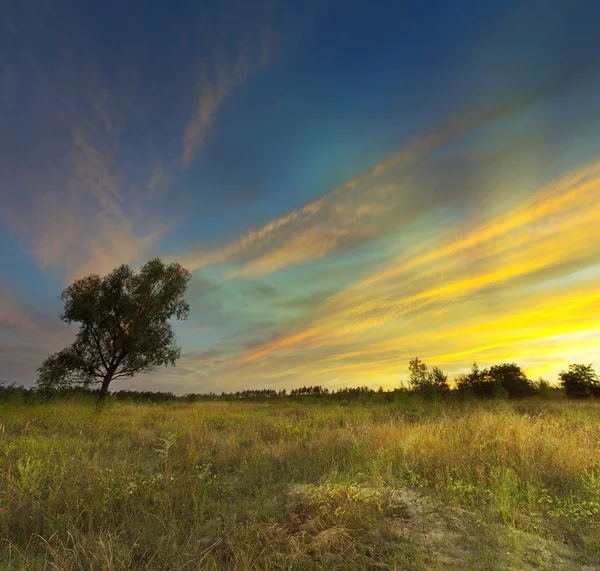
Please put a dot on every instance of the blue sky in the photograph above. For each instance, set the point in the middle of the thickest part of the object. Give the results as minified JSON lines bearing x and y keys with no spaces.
{"x":351,"y":183}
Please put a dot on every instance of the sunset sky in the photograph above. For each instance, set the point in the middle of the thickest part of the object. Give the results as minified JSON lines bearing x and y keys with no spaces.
{"x":352,"y":183}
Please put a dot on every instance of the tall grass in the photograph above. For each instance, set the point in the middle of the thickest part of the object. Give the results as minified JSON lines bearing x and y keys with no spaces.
{"x":211,"y":485}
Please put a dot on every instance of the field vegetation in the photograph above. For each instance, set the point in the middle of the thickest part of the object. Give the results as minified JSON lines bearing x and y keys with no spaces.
{"x":372,"y":480}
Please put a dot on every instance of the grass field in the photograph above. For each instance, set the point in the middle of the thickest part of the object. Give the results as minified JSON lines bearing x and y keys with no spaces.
{"x":408,"y":484}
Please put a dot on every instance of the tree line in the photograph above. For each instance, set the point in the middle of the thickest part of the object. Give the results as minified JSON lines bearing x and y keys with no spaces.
{"x":505,"y":380}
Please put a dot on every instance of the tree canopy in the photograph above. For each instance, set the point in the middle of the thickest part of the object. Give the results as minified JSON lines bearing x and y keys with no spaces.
{"x":505,"y":379}
{"x":580,"y":381}
{"x":124,"y":328}
{"x":425,"y":381}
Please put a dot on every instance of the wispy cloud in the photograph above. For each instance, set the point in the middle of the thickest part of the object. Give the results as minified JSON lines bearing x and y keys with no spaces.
{"x":212,"y":91}
{"x":82,"y":209}
{"x":67,"y":193}
{"x":407,"y":185}
{"x":505,"y":254}
{"x":87,"y":226}
{"x":11,"y":316}
{"x":357,"y":211}
{"x":78,"y":193}
{"x":221,"y":73}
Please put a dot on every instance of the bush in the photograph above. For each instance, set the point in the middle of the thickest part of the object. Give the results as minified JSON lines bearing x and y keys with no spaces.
{"x":477,"y":382}
{"x":501,"y":381}
{"x":580,"y":381}
{"x":429,"y":383}
{"x":512,"y":379}
{"x":544,"y":388}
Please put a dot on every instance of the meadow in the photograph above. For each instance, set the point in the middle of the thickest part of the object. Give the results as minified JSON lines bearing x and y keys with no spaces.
{"x":301,"y":484}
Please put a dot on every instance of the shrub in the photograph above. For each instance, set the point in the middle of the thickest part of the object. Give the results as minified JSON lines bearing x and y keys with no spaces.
{"x":427,"y":382}
{"x":544,"y":388}
{"x":477,"y":382}
{"x":580,"y":381}
{"x":504,"y":380}
{"x":512,"y":379}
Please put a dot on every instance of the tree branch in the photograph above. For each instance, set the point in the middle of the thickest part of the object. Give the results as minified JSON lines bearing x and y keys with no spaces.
{"x":126,"y":372}
{"x":98,"y":372}
{"x":120,"y":358}
{"x":98,"y":346}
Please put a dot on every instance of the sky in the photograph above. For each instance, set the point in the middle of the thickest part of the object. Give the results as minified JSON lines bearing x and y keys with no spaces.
{"x":352,"y":184}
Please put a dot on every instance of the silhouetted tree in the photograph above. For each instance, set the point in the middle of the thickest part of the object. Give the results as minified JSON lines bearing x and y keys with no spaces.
{"x":580,"y":381}
{"x":124,"y":329}
{"x":512,"y":379}
{"x":439,"y":380}
{"x":314,"y":391}
{"x":418,"y":374}
{"x":425,"y":381}
{"x":477,"y":381}
{"x":352,"y":393}
{"x":543,"y":387}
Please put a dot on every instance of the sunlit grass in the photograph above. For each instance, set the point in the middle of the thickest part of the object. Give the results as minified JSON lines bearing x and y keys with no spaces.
{"x":289,"y":485}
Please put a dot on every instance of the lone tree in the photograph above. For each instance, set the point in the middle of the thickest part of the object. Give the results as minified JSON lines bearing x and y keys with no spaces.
{"x":125,"y":328}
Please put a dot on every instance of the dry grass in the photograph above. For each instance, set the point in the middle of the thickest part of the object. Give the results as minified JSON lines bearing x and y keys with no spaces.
{"x":403,"y":485}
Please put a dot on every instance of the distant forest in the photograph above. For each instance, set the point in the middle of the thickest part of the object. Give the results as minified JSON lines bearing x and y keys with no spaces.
{"x":506,"y":380}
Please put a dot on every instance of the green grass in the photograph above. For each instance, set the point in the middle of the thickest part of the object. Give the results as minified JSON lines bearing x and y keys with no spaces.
{"x":288,"y":485}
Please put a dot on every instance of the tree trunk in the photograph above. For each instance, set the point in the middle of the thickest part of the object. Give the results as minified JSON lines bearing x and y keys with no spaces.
{"x":103,"y":390}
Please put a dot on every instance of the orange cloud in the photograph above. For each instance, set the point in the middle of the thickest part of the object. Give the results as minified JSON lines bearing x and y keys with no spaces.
{"x":24,"y":321}
{"x":12,"y":317}
{"x":89,"y":229}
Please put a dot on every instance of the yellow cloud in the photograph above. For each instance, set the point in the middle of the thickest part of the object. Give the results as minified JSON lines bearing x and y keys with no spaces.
{"x":471,"y":296}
